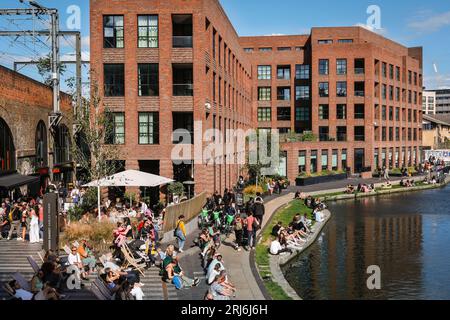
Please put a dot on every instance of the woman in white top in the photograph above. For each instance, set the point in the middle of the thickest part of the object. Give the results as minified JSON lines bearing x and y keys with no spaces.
{"x":75,"y":260}
{"x":34,"y":227}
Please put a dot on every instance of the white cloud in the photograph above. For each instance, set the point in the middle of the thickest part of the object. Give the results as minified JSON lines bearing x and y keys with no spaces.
{"x":70,"y":56}
{"x":85,"y":42}
{"x":427,"y":22}
{"x":274,"y":35}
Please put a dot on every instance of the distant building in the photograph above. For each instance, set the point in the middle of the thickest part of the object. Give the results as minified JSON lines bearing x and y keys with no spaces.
{"x":436,"y":132}
{"x":437,"y":100}
{"x":429,"y":102}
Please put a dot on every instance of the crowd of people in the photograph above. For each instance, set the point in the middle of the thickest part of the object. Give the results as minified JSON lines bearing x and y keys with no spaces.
{"x":23,"y":218}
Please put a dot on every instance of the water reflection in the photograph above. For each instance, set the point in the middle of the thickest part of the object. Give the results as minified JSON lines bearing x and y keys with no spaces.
{"x":406,"y":235}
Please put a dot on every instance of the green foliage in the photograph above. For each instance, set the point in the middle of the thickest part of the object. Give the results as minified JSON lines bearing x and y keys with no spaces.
{"x":130,"y":195}
{"x":176,"y":188}
{"x":321,"y":174}
{"x":89,"y":200}
{"x":308,"y":136}
{"x":44,"y":67}
{"x":75,"y":213}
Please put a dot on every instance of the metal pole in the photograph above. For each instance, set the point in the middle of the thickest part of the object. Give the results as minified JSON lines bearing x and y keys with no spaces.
{"x":98,"y":203}
{"x":78,"y":107}
{"x":55,"y":62}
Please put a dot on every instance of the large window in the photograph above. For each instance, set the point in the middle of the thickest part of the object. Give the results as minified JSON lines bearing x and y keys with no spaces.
{"x":183,"y":81}
{"x":284,"y":114}
{"x":302,"y":93}
{"x":148,"y":128}
{"x":148,"y":79}
{"x":359,"y":133}
{"x":302,"y":114}
{"x":334,"y":160}
{"x":114,"y":80}
{"x":182,"y":31}
{"x":359,"y":111}
{"x":283,"y":72}
{"x":116,"y":129}
{"x":301,"y":161}
{"x":341,"y":111}
{"x":264,"y":94}
{"x":341,"y":133}
{"x":41,"y":145}
{"x":323,"y":89}
{"x":302,"y":72}
{"x":324,"y":160}
{"x":264,"y":72}
{"x":324,"y":66}
{"x":323,"y":112}
{"x":113,"y":32}
{"x":341,"y":89}
{"x":148,"y":31}
{"x":283,"y":93}
{"x":324,"y":133}
{"x":341,"y":66}
{"x":313,"y":161}
{"x":264,"y":114}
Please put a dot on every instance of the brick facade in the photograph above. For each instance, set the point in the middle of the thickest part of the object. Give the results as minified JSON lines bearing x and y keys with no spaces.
{"x":234,"y":63}
{"x":24,"y":103}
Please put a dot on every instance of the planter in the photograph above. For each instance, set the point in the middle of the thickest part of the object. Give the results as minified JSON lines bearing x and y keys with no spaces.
{"x":308,"y":181}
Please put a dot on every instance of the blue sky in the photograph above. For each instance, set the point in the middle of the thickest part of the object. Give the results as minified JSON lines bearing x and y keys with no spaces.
{"x":412,"y":23}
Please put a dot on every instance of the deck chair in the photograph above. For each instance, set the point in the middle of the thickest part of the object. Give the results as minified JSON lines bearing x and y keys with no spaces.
{"x":7,"y":288}
{"x":98,"y":294}
{"x":103,"y":288}
{"x":67,"y":249}
{"x":22,"y":281}
{"x":41,"y":255}
{"x":130,"y":261}
{"x":33,"y":264}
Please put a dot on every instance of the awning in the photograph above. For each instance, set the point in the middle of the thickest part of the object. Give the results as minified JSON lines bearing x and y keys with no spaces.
{"x":16,"y":180}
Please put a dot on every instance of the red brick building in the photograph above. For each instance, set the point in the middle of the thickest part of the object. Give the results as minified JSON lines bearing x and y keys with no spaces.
{"x":359,"y":94}
{"x":26,"y":144}
{"x":161,"y":66}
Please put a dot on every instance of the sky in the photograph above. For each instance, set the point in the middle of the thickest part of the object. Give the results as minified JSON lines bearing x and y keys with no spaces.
{"x":411,"y":23}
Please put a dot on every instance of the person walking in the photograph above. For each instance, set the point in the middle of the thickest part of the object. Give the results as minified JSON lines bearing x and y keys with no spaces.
{"x":15,"y":217}
{"x":251,"y":223}
{"x":386,"y":174}
{"x":180,"y":233}
{"x":238,"y":231}
{"x":34,"y":227}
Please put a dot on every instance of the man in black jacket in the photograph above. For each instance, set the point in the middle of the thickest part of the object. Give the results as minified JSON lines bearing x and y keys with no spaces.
{"x":16,"y":217}
{"x":258,"y":210}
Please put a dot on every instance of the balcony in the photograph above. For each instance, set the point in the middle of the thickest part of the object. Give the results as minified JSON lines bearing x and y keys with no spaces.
{"x":182,"y":31}
{"x":182,"y":41}
{"x":183,"y":89}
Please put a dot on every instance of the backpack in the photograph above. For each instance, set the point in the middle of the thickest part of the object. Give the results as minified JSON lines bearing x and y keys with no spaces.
{"x":255,"y":224}
{"x":176,"y":280}
{"x":238,"y":226}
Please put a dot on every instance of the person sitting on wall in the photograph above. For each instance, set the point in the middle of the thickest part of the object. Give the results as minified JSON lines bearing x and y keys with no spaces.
{"x":318,"y":215}
{"x":277,"y":229}
{"x":276,"y":248}
{"x":350,"y":189}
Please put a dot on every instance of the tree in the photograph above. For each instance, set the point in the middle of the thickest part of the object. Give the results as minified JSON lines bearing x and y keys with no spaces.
{"x":91,"y":148}
{"x":44,"y":67}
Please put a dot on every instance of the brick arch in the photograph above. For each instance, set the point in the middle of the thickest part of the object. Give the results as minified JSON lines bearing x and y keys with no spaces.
{"x":7,"y":148}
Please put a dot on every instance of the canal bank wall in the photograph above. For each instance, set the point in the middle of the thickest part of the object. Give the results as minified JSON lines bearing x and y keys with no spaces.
{"x":276,"y":262}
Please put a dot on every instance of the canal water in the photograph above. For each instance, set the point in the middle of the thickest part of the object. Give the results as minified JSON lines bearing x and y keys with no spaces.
{"x":406,"y":235}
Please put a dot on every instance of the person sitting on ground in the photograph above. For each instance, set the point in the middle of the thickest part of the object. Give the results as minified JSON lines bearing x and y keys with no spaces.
{"x":87,"y":258}
{"x":37,"y":282}
{"x":291,"y":240}
{"x":74,"y":259}
{"x":218,"y":259}
{"x":47,"y":293}
{"x":350,"y":189}
{"x":205,"y":241}
{"x":276,"y":248}
{"x":108,"y":264}
{"x":214,"y":273}
{"x":19,"y":292}
{"x":276,"y":229}
{"x":178,"y":278}
{"x":299,"y":225}
{"x":318,"y":215}
{"x":297,"y":195}
{"x":218,"y":291}
{"x":307,"y":222}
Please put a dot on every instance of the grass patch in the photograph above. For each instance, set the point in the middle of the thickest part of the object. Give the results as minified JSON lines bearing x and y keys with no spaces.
{"x":285,"y":215}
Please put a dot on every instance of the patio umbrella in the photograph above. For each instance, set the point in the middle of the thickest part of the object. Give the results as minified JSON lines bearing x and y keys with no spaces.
{"x":129,"y":178}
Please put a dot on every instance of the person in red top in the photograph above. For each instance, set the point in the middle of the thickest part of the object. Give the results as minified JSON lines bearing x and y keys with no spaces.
{"x":251,"y":222}
{"x":41,"y":220}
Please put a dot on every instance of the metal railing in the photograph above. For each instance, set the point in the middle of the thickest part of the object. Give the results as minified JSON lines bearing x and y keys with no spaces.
{"x":189,"y":209}
{"x":182,"y":41}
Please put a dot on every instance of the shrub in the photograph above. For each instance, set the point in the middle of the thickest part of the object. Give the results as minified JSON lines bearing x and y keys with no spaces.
{"x":96,"y":233}
{"x":75,"y":213}
{"x":308,"y":136}
{"x":176,"y":188}
{"x":253,"y":190}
